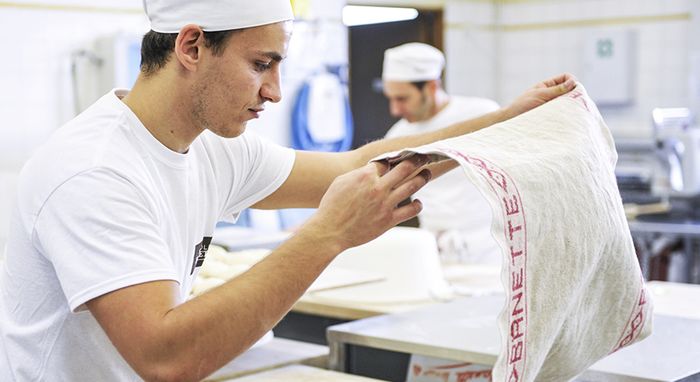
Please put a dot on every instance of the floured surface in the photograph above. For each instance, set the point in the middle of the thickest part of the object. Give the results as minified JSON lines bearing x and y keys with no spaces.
{"x":574,"y":289}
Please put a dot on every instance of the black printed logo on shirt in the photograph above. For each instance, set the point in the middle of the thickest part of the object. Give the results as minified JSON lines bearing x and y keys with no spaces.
{"x":200,"y":252}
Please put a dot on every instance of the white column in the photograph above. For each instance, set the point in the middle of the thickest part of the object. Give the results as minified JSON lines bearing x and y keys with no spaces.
{"x":470,"y":48}
{"x":694,"y":57}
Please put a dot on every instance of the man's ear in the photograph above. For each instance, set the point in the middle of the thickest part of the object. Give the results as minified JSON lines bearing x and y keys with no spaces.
{"x":188,"y":46}
{"x":432,"y":87}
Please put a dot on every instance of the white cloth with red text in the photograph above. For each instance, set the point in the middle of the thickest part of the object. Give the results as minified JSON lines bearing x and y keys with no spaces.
{"x":574,"y":289}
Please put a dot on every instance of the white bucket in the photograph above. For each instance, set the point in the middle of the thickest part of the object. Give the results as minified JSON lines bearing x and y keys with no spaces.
{"x":407,"y":257}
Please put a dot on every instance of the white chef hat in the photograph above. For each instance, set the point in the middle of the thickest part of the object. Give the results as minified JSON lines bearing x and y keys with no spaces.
{"x":169,"y":16}
{"x":412,"y":62}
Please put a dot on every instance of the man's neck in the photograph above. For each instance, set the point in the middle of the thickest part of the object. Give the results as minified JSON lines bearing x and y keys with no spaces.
{"x":442,"y":99}
{"x":164,"y":111}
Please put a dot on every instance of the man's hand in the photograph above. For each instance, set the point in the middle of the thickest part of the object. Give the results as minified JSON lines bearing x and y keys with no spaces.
{"x":362,"y":204}
{"x":541,"y":93}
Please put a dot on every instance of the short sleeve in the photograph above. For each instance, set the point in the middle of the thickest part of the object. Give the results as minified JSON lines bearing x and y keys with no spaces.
{"x":397,"y":130}
{"x":100,"y":235}
{"x":261,"y":167}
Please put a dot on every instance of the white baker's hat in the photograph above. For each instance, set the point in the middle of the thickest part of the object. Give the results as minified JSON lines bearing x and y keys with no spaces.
{"x":169,"y":16}
{"x":412,"y":62}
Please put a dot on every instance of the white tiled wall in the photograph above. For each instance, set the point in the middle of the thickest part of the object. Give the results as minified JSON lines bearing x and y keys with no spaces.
{"x":8,"y":184}
{"x":539,"y":38}
{"x":694,"y":61}
{"x":36,"y":93}
{"x":470,"y":48}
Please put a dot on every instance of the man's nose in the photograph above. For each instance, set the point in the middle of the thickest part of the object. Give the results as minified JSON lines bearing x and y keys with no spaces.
{"x":395,"y":110}
{"x":271,"y":89}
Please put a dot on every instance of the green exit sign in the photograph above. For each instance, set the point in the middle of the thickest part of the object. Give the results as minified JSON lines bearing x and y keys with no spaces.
{"x":609,"y":62}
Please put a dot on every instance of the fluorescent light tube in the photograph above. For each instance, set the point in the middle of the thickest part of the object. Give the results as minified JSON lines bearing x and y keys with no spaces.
{"x":363,"y":15}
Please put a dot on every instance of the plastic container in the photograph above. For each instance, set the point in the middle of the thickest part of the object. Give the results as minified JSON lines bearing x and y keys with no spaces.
{"x":407,"y":257}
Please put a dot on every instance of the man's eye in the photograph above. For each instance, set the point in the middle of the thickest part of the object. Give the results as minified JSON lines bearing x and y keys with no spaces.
{"x":262,"y":66}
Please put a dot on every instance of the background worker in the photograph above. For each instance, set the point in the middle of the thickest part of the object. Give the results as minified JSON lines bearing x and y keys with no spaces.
{"x":453,"y":209}
{"x":115,"y":213}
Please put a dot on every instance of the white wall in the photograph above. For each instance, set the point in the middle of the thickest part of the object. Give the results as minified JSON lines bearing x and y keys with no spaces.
{"x":694,"y":85}
{"x":471,"y":48}
{"x":36,"y":97}
{"x":534,"y":39}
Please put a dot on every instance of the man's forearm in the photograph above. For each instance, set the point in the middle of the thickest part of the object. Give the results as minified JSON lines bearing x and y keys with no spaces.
{"x":246,"y":307}
{"x":536,"y":96}
{"x":163,"y":341}
{"x":373,"y":149}
{"x":313,"y":172}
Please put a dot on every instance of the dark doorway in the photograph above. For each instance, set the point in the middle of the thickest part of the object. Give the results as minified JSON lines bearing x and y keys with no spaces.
{"x":370,"y":109}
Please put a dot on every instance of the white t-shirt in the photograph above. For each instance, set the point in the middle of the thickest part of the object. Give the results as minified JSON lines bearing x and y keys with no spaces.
{"x":453,"y":208}
{"x":104,"y":205}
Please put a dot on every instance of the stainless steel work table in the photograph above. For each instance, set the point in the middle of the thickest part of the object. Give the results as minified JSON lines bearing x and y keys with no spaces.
{"x":300,"y":373}
{"x":689,"y":228}
{"x":682,"y":224}
{"x":465,"y":330}
{"x":314,"y":312}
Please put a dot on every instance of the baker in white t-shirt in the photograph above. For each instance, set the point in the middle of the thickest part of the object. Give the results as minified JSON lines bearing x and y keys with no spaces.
{"x":115,"y":213}
{"x":453,"y":209}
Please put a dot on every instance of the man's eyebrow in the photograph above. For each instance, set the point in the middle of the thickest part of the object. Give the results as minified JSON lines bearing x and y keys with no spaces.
{"x":274,"y":56}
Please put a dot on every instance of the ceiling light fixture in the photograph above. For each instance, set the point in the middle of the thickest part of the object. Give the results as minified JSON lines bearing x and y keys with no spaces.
{"x":354,"y":15}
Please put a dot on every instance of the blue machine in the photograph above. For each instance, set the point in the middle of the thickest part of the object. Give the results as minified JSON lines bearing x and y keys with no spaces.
{"x":321,"y":116}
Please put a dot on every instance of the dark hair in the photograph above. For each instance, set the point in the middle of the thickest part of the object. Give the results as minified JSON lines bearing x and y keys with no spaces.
{"x":156,"y":48}
{"x":419,"y":84}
